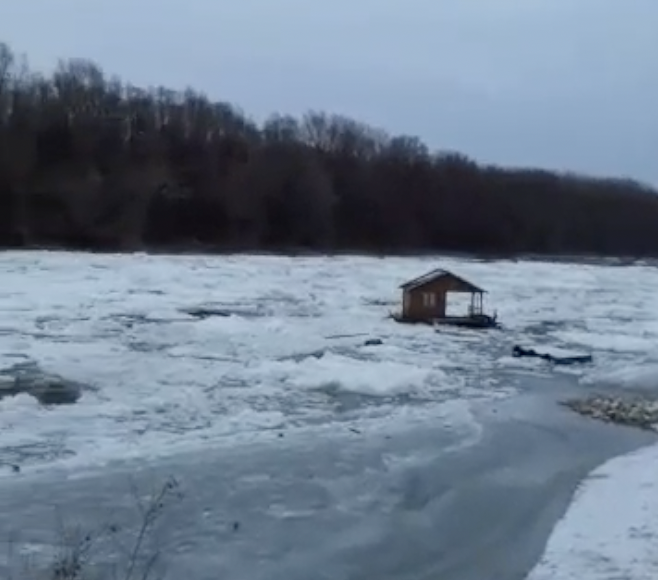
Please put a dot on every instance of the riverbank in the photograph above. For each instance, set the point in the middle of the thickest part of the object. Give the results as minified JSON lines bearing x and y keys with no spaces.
{"x":611,"y":527}
{"x":206,"y":250}
{"x":635,"y":412}
{"x":420,"y":503}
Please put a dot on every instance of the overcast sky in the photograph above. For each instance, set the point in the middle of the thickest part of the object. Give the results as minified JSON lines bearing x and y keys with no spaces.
{"x":567,"y":84}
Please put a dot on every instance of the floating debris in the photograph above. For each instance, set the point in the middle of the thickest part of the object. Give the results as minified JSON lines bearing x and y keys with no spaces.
{"x":48,"y":389}
{"x":15,"y":468}
{"x":354,"y":335}
{"x":519,"y":351}
{"x":203,"y":312}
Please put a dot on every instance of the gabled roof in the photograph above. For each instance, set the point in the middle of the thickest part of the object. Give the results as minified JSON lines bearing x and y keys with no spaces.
{"x":437,"y":274}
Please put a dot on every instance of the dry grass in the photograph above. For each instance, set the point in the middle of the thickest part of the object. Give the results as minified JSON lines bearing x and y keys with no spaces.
{"x":77,"y":549}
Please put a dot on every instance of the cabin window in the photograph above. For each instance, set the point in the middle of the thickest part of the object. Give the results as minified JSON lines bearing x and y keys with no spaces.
{"x":429,"y":299}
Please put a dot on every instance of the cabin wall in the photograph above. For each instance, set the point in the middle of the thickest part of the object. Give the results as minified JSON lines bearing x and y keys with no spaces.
{"x":415,"y":306}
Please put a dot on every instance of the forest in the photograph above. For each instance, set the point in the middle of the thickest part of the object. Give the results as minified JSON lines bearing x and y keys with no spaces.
{"x":90,"y":162}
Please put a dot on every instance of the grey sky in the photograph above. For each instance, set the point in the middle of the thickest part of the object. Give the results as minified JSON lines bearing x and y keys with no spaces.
{"x":567,"y":84}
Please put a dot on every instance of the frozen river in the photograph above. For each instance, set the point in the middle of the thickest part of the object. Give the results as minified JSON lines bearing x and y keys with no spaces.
{"x":301,"y":451}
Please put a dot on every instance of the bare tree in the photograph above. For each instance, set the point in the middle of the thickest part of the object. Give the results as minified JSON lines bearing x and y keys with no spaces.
{"x":89,"y":161}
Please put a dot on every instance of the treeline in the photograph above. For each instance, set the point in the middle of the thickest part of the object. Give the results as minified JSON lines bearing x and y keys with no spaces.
{"x":89,"y":162}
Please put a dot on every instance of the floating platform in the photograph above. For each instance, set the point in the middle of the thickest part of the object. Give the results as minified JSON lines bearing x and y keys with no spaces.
{"x":474,"y":321}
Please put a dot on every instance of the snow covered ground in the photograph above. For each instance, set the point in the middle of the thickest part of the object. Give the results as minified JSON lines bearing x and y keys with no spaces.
{"x":611,"y":530}
{"x":291,"y":357}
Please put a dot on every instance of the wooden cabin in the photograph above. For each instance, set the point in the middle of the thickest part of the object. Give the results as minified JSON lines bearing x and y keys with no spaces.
{"x":424,"y":299}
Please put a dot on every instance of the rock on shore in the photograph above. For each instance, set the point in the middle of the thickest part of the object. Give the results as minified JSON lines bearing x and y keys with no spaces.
{"x":636,"y":412}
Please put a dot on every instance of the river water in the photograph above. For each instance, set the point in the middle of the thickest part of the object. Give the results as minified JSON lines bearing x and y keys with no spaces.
{"x":416,"y":504}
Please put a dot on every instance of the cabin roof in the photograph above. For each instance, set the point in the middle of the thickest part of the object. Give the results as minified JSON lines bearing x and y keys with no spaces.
{"x":437,"y":274}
